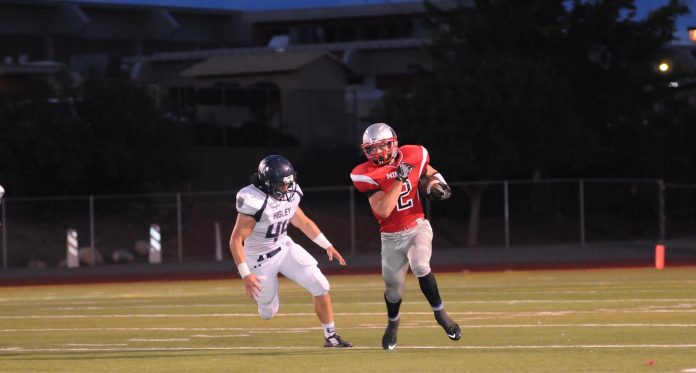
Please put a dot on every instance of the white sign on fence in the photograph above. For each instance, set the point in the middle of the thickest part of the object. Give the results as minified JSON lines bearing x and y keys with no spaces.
{"x":218,"y":243}
{"x":155,"y":244}
{"x":73,"y":260}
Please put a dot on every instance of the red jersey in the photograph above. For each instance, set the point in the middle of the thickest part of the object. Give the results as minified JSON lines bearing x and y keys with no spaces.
{"x":369,"y":178}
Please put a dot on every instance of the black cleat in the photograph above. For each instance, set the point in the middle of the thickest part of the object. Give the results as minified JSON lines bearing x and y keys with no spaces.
{"x":453,"y":331}
{"x":335,"y":341}
{"x":451,"y":328}
{"x":389,"y":338}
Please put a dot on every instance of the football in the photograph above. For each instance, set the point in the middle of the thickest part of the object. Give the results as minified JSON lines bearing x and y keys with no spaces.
{"x":425,"y":184}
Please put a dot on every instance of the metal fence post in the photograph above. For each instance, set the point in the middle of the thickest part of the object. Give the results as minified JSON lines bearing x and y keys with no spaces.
{"x":661,"y":211}
{"x":356,"y":122}
{"x":91,"y":231}
{"x":179,"y":233}
{"x":3,"y":222}
{"x":581,"y":207}
{"x":506,"y":211}
{"x":351,"y":199}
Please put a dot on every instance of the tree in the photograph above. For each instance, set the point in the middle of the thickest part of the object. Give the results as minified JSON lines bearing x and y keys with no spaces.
{"x":533,"y":87}
{"x":114,"y":140}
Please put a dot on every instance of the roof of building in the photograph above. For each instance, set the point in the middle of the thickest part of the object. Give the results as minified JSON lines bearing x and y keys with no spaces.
{"x":193,"y":55}
{"x":269,"y":62}
{"x":347,"y":11}
{"x":48,"y":67}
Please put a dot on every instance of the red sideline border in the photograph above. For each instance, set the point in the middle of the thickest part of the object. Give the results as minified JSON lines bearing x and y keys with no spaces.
{"x":188,"y":276}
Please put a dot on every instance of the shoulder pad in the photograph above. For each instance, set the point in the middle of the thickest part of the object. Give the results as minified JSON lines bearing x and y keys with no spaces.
{"x":298,"y":191}
{"x":250,"y":200}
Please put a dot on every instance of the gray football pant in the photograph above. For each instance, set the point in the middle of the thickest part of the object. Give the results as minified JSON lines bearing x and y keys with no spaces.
{"x":401,"y":250}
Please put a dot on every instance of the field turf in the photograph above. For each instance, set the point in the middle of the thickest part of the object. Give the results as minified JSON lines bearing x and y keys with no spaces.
{"x":609,"y":320}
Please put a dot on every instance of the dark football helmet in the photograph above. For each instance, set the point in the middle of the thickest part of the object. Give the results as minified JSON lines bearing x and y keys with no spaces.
{"x":380,"y":144}
{"x":276,"y":177}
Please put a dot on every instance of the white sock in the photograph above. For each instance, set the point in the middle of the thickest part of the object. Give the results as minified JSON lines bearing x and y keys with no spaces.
{"x":329,"y":329}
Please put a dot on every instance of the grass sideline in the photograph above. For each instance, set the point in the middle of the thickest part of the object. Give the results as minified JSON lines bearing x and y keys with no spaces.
{"x":608,"y":320}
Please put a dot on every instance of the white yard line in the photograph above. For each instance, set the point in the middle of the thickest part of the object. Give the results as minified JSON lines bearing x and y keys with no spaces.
{"x":120,"y":305}
{"x":682,"y":308}
{"x":237,"y":305}
{"x":251,"y":330}
{"x":219,"y":336}
{"x":361,"y":326}
{"x":247,"y":348}
{"x":95,"y":344}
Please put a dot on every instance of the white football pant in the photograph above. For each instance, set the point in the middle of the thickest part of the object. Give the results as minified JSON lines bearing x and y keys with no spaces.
{"x":295,"y":263}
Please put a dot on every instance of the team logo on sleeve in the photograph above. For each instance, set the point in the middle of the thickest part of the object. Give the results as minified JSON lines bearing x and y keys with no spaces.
{"x":240,"y":202}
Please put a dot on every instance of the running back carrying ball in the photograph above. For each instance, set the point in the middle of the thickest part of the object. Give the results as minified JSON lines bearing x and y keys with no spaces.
{"x":434,"y":187}
{"x":390,"y":178}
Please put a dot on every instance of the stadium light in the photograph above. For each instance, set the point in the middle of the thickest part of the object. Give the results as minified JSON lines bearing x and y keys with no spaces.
{"x":692,"y":33}
{"x":664,"y":66}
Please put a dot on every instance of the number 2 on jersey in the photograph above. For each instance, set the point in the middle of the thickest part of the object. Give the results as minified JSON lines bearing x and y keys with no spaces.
{"x":275,"y":230}
{"x":403,"y":203}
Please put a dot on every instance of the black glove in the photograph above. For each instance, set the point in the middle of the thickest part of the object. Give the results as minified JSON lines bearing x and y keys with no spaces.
{"x":402,"y":171}
{"x":440,"y":191}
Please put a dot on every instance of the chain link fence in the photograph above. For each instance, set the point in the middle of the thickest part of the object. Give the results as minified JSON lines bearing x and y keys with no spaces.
{"x":195,"y":227}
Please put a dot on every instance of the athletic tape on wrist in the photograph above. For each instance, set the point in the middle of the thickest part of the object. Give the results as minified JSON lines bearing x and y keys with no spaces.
{"x":440,"y":177}
{"x":243,"y":269}
{"x":322,"y":241}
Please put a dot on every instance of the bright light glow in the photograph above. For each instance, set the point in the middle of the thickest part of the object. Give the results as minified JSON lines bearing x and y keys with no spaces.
{"x":663,"y":67}
{"x":692,"y":34}
{"x":673,"y":84}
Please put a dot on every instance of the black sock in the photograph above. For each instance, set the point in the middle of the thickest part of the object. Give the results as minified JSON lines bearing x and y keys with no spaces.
{"x":428,"y":286}
{"x":392,"y":308}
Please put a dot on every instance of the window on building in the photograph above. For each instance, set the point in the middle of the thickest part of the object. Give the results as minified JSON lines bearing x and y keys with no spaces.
{"x":346,"y":33}
{"x":209,"y":96}
{"x":330,"y":34}
{"x":183,"y":99}
{"x":371,"y":32}
{"x":390,"y":30}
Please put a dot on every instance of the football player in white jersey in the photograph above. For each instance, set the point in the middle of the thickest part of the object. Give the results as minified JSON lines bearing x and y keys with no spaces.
{"x":261,"y":247}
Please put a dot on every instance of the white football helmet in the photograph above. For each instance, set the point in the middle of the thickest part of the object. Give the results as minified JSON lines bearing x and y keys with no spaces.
{"x":380,"y":144}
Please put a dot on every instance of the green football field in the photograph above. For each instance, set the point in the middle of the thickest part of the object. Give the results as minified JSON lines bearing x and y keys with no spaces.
{"x":618,"y":320}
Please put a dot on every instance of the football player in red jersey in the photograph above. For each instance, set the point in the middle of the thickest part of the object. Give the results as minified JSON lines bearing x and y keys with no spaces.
{"x":389,"y":178}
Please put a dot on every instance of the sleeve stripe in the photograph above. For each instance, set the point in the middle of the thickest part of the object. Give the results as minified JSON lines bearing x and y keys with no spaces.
{"x":425,"y":157}
{"x":259,"y":213}
{"x":362,"y":178}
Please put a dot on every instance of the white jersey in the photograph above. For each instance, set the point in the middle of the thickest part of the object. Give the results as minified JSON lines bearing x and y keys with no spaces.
{"x":272,"y":219}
